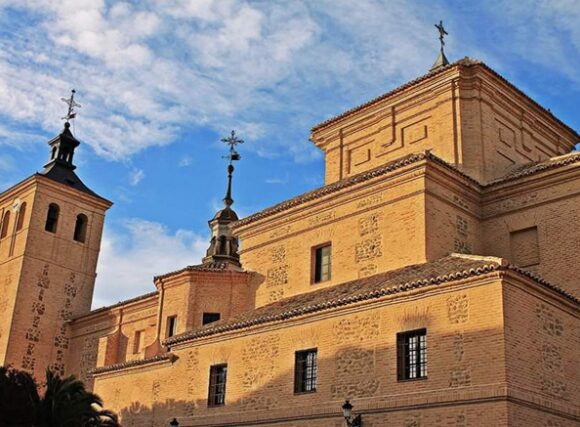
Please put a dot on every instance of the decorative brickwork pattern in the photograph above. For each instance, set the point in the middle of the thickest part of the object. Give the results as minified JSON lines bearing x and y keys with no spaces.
{"x":33,"y":333}
{"x":368,"y":224}
{"x":458,"y":309}
{"x":356,"y":330}
{"x":551,"y":372}
{"x":368,"y":249}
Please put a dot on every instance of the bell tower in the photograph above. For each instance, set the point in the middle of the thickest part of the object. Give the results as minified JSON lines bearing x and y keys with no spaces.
{"x":50,"y":237}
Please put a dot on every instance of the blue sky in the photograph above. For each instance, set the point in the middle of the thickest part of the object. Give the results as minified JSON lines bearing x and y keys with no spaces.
{"x":161,"y":81}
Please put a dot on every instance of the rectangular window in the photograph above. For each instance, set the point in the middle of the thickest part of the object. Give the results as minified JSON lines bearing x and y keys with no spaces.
{"x":412,"y":355}
{"x":321,"y":260}
{"x":171,"y":326}
{"x":209,"y":318}
{"x":217,"y":385}
{"x":137,"y":342}
{"x":305,"y":370}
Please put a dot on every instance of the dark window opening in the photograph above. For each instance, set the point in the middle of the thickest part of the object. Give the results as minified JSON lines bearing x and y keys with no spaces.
{"x":81,"y":228}
{"x":21,"y":215}
{"x":412,"y":355}
{"x":53,"y":153}
{"x":52,"y":218}
{"x":137,"y":342}
{"x":5,"y":224}
{"x":209,"y":318}
{"x":217,"y":385}
{"x":322,"y":263}
{"x":305,"y":370}
{"x":171,"y":326}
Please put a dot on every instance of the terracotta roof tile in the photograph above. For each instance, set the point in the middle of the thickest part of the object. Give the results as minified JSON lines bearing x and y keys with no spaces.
{"x":336,"y":186}
{"x":120,"y":303}
{"x":453,"y":267}
{"x":218,"y":267}
{"x":536,"y":167}
{"x":166,"y":357}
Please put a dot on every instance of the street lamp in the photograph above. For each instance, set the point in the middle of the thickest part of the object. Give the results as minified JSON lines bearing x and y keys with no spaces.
{"x":174,"y":423}
{"x":347,"y":412}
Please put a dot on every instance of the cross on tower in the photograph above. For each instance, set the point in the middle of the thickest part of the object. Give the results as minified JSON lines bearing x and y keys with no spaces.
{"x":232,"y":141}
{"x":71,"y":113}
{"x":442,"y":34}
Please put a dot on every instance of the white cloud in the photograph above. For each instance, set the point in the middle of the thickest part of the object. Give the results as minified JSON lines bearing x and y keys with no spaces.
{"x":136,"y":176}
{"x":145,"y":71}
{"x":131,"y":255}
{"x":185,"y":161}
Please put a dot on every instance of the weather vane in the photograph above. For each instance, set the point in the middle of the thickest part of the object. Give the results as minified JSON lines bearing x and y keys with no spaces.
{"x":232,"y":141}
{"x":442,"y":34}
{"x":71,"y":113}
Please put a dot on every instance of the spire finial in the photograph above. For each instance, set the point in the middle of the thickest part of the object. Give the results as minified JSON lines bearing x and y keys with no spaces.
{"x":441,"y":59}
{"x":233,"y":156}
{"x":71,"y":113}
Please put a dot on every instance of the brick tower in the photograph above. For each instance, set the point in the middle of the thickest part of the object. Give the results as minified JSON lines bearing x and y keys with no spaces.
{"x":50,"y":235}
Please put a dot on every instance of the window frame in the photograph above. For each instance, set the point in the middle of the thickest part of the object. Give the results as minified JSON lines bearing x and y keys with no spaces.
{"x":4,"y":226}
{"x":305,"y":376}
{"x":137,"y":339}
{"x":55,"y":220}
{"x":217,"y":386}
{"x":81,"y":226}
{"x":412,"y":362}
{"x":21,"y":216}
{"x":209,"y":314}
{"x":315,"y":279}
{"x":171,"y":326}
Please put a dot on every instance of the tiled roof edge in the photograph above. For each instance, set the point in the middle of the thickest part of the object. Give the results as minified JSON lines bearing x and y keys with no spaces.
{"x":463,"y":274}
{"x":350,"y":181}
{"x":201,"y":268}
{"x":334,"y":303}
{"x":567,"y":159}
{"x":133,"y":363}
{"x":109,"y":307}
{"x":331,"y":188}
{"x":465,"y":62}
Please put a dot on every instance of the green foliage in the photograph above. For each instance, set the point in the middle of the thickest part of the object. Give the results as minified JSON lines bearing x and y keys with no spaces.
{"x":65,"y":402}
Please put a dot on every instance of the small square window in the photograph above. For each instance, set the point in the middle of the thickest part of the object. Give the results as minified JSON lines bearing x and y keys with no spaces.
{"x":217,"y":385}
{"x":171,"y":326}
{"x":321,"y":263}
{"x":305,"y":371}
{"x":412,"y":355}
{"x":210,"y":318}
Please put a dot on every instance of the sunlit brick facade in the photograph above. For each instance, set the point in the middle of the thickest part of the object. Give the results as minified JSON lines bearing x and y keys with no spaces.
{"x":432,"y":280}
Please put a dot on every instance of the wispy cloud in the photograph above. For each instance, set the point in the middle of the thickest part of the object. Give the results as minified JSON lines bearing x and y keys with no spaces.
{"x":136,"y":176}
{"x":144,"y":71}
{"x":185,"y":161}
{"x":136,"y":251}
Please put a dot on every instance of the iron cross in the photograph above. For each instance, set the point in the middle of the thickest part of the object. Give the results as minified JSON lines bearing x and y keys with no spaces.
{"x":232,"y":141}
{"x":442,"y":33}
{"x":71,"y":113}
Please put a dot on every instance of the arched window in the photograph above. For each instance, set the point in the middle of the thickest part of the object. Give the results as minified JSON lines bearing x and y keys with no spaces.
{"x":52,"y":218}
{"x":21,"y":215}
{"x":5,"y":224}
{"x":81,"y":228}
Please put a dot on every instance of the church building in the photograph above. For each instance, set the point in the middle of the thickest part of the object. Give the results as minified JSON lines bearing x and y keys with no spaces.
{"x":430,"y":282}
